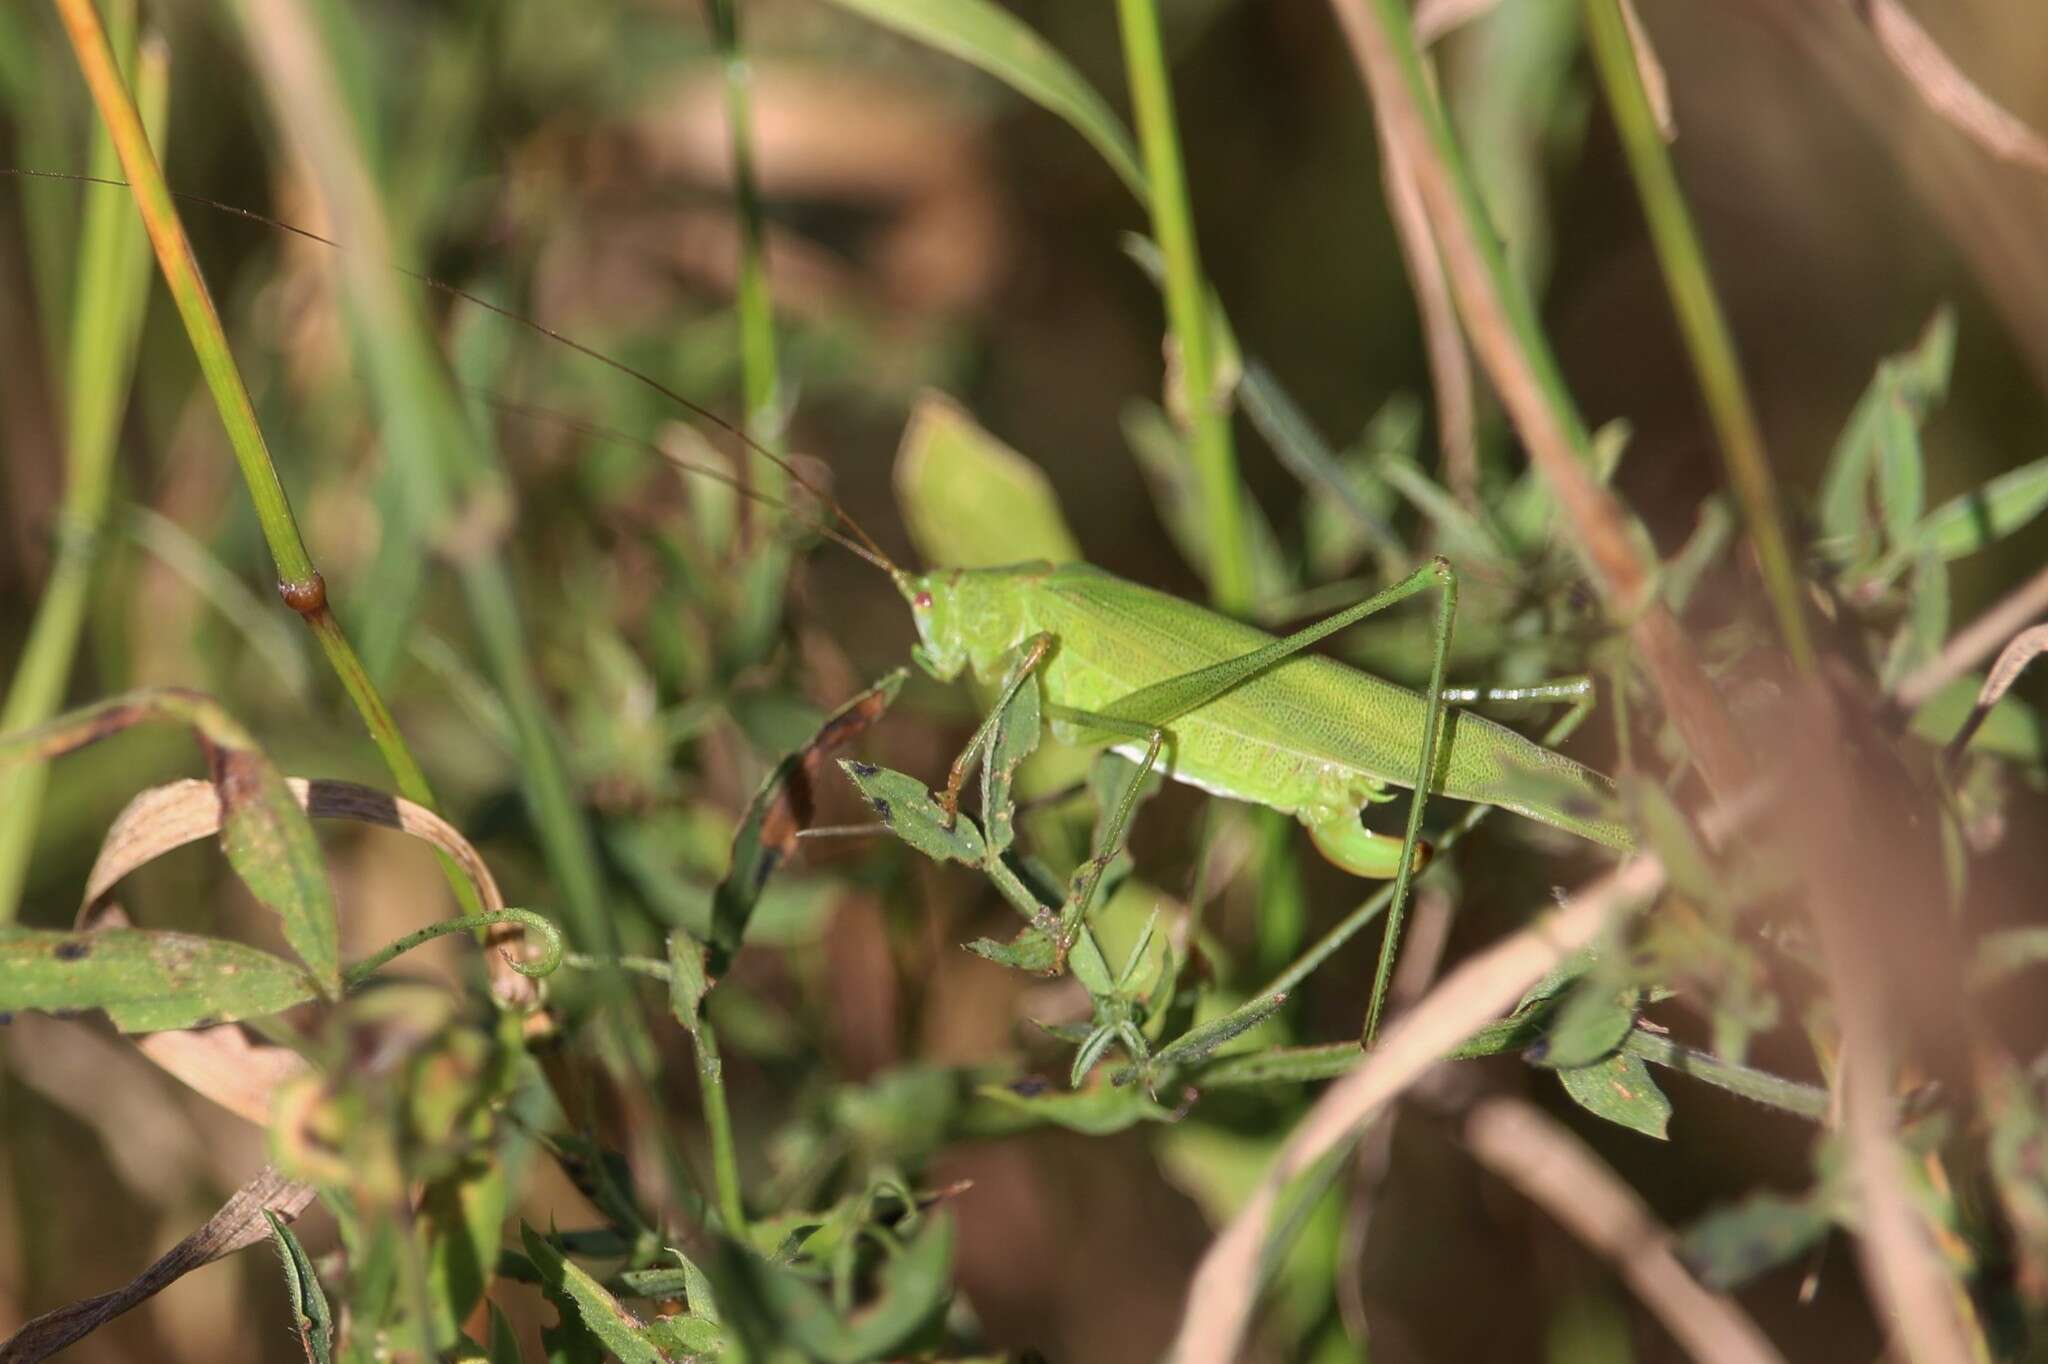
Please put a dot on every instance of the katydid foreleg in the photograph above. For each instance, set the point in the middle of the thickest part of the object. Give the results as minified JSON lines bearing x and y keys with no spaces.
{"x":987,"y":746}
{"x":1023,"y":671}
{"x":1087,"y":877}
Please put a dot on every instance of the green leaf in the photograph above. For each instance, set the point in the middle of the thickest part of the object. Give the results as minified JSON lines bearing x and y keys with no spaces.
{"x":686,"y":1335}
{"x":1096,"y":1112}
{"x":1667,"y":830}
{"x":1966,"y":524}
{"x":1091,"y":1053}
{"x":146,"y":980}
{"x":905,"y":805}
{"x":1901,"y":470}
{"x":573,"y":1291}
{"x":504,"y":1339}
{"x":971,"y":501}
{"x":915,"y":1288}
{"x":1730,"y":1246}
{"x":1198,"y":1042}
{"x":463,"y":1217}
{"x":1590,"y":1027}
{"x":1620,"y":1090}
{"x":1031,"y":950}
{"x":272,"y":847}
{"x":2012,"y":729}
{"x":1904,"y":388}
{"x":1557,"y":980}
{"x":311,"y":1317}
{"x":983,"y":35}
{"x":767,"y":833}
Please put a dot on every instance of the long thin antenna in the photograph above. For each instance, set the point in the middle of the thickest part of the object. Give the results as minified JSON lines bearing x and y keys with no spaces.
{"x":874,"y":553}
{"x":598,"y":431}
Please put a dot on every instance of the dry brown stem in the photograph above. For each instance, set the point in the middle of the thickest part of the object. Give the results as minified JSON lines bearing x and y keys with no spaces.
{"x":1225,"y":1283}
{"x":1560,"y":1173}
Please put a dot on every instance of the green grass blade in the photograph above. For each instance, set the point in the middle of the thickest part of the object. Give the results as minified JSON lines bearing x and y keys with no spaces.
{"x":299,"y":582}
{"x":986,"y":36}
{"x":107,"y":310}
{"x":1187,"y":311}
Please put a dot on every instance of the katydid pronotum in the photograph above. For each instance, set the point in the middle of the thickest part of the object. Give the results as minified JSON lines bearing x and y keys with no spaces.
{"x":1211,"y":702}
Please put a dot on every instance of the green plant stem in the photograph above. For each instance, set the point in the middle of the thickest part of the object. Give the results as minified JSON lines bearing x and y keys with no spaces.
{"x":1187,"y":310}
{"x":1303,"y":1065}
{"x":1090,"y":967}
{"x":1806,"y":1101}
{"x":1700,"y":319}
{"x":725,"y":1165}
{"x":551,"y":937}
{"x":298,"y":579}
{"x":108,"y":303}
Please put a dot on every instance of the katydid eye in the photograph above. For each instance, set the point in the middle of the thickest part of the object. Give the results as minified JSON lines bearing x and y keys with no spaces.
{"x":922,"y":601}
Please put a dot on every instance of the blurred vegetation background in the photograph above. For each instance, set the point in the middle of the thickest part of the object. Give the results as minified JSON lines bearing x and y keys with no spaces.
{"x":925,"y":228}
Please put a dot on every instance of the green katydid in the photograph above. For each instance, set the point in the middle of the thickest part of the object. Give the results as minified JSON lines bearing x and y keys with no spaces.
{"x":1229,"y":708}
{"x":1238,"y":713}
{"x":1225,"y":707}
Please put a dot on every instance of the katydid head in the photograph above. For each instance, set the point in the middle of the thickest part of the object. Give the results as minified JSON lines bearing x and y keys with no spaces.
{"x":941,"y":649}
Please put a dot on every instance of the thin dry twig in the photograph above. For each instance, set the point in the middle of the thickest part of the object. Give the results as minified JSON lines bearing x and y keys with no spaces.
{"x":1894,"y":978}
{"x":1945,"y":89}
{"x":2025,"y":647}
{"x":1650,"y":69}
{"x":1557,"y":1171}
{"x":239,"y":1223}
{"x":1437,"y":19}
{"x":1968,"y":647}
{"x":1617,"y":565}
{"x":1450,"y":368}
{"x":1220,"y":1297}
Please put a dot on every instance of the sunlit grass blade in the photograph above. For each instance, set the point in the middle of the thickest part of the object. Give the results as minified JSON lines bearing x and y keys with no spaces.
{"x":299,"y":582}
{"x":979,"y":32}
{"x":1206,"y":410}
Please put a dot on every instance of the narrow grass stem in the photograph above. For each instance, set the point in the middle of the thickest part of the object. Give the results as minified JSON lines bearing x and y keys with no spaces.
{"x":188,"y":287}
{"x":299,"y":582}
{"x":1700,"y":319}
{"x":1187,"y":310}
{"x":1305,"y":1065}
{"x":725,"y":1164}
{"x":1774,"y":1091}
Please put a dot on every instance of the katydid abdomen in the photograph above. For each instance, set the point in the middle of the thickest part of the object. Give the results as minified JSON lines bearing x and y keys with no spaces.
{"x":1309,"y":736}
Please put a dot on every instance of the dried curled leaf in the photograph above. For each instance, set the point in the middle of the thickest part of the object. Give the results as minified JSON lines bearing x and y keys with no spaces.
{"x":779,"y":810}
{"x":263,"y":831}
{"x":240,"y":1222}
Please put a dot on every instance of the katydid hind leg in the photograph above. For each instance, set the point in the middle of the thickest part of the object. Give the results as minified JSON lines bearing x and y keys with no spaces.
{"x":1163,"y":702}
{"x":1440,"y":571}
{"x":1087,"y":880}
{"x":1352,"y":847}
